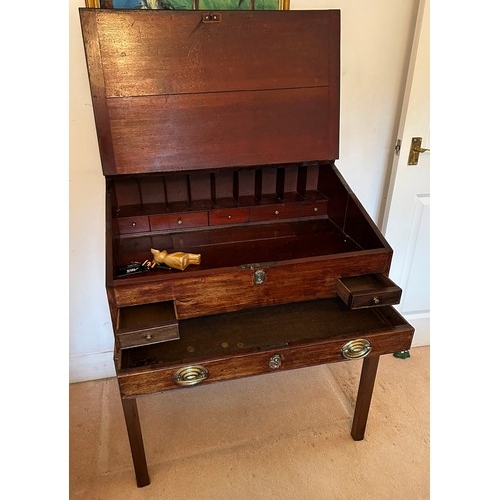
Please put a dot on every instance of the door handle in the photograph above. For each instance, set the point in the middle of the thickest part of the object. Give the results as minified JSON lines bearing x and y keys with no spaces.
{"x":415,"y":150}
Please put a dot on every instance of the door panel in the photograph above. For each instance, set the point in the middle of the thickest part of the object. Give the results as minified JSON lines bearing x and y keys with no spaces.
{"x":407,"y":214}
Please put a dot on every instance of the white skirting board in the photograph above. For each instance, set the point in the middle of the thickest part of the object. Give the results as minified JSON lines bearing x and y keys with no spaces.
{"x":421,"y":323}
{"x":91,"y":366}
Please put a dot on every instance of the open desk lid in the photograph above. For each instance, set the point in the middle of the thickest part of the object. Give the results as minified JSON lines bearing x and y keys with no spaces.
{"x":188,"y":90}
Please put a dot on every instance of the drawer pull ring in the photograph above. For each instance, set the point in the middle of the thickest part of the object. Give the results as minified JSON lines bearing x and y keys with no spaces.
{"x":355,"y":349}
{"x":275,"y":362}
{"x":376,"y":300}
{"x":190,"y":375}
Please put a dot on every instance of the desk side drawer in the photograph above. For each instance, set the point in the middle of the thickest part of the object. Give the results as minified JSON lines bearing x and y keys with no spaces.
{"x":148,"y":336}
{"x":368,"y":290}
{"x":146,"y":324}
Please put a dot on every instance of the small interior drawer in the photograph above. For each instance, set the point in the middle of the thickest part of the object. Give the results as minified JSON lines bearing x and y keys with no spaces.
{"x":178,"y":221}
{"x":275,"y":211}
{"x":130,"y":225}
{"x":229,"y":216}
{"x":147,"y":324}
{"x":368,"y":290}
{"x":318,"y":207}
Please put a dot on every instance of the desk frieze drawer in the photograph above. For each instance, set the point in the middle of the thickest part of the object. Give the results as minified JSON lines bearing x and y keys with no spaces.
{"x":151,"y":380}
{"x":267,"y":340}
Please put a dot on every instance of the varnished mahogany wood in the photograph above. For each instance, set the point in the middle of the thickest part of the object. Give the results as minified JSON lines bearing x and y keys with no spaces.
{"x":135,"y":439}
{"x":363,"y":401}
{"x":212,"y":94}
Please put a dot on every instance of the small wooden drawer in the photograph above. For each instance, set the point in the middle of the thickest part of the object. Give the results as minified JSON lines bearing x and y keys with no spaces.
{"x":276,"y":211}
{"x":131,"y":225}
{"x":178,"y":220}
{"x":147,"y":324}
{"x":368,"y":290}
{"x":318,"y":207}
{"x":229,"y":216}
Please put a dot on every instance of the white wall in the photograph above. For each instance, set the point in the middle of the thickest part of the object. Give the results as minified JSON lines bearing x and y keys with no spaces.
{"x":376,"y":37}
{"x":91,"y":336}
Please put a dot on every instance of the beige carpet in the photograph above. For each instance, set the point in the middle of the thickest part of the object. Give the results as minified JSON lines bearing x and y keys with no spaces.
{"x":283,"y":436}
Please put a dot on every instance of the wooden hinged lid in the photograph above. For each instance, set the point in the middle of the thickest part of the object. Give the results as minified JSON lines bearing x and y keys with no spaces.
{"x":177,"y":91}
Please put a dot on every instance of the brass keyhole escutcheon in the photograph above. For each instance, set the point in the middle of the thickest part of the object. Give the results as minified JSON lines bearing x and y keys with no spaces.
{"x":275,"y":362}
{"x":259,"y":276}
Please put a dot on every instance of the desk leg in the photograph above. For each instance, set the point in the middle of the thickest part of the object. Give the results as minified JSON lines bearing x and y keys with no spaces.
{"x":135,"y":440}
{"x":365,"y":391}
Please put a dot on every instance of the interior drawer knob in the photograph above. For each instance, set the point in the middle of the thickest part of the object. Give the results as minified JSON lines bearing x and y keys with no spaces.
{"x":190,"y":375}
{"x":275,"y":362}
{"x":355,"y":349}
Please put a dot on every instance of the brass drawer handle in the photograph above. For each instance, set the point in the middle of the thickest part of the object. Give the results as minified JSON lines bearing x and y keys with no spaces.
{"x":355,"y":349}
{"x":190,"y":375}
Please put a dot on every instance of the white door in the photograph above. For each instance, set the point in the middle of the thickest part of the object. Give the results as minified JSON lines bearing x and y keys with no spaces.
{"x":407,"y":212}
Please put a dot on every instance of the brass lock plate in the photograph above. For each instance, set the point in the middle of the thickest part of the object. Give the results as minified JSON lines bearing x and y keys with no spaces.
{"x":415,"y":150}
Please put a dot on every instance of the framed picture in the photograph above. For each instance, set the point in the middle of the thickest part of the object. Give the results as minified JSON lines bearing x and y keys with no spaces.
{"x":191,"y":4}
